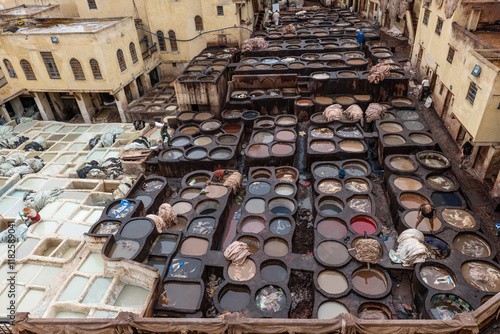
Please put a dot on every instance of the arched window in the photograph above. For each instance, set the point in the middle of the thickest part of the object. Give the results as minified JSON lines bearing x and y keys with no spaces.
{"x":77,"y":69}
{"x":96,"y":71}
{"x":173,"y":41}
{"x":133,"y":53}
{"x":121,"y":60}
{"x":161,"y":40}
{"x":28,"y":70}
{"x":198,"y":23}
{"x":9,"y":68}
{"x":92,"y":4}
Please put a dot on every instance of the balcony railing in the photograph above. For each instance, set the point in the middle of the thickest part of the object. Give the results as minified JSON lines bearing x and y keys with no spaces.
{"x":152,"y":49}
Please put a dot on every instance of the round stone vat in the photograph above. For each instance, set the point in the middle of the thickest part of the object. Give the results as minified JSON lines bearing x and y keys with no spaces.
{"x":472,"y":245}
{"x":332,"y":228}
{"x":332,"y":253}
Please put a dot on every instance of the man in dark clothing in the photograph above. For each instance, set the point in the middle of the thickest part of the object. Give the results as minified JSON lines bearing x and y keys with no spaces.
{"x":287,"y":4}
{"x":466,"y":152}
{"x":426,"y":211}
{"x":439,"y":247}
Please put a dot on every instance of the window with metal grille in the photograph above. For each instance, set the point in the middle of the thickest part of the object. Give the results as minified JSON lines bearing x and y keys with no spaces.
{"x":426,"y":17}
{"x":498,"y":107}
{"x":9,"y":68}
{"x":173,"y":41}
{"x":161,"y":40}
{"x":220,"y":10}
{"x":77,"y":69}
{"x":121,"y":60}
{"x":28,"y":70}
{"x":471,"y":94}
{"x":50,"y":64}
{"x":451,"y":54}
{"x":92,"y":4}
{"x":133,"y":53}
{"x":441,"y":89}
{"x":96,"y":71}
{"x":439,"y":26}
{"x":198,"y":22}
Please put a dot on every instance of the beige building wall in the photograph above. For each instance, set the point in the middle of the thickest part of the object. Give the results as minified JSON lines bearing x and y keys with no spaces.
{"x":179,"y":16}
{"x":68,"y":7}
{"x":8,"y":3}
{"x":25,"y":11}
{"x":101,"y":45}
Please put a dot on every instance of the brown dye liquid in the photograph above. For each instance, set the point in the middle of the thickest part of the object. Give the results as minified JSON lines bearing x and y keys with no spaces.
{"x":186,"y":116}
{"x":370,"y":282}
{"x":276,"y":247}
{"x":285,"y":135}
{"x":405,"y":183}
{"x":358,"y":186}
{"x":402,"y":163}
{"x":394,"y":140}
{"x":424,"y":226}
{"x":189,"y":130}
{"x":258,"y":151}
{"x":202,"y":141}
{"x":373,"y":313}
{"x":482,"y":275}
{"x":412,"y":201}
{"x":215,"y":191}
{"x":401,"y":102}
{"x":303,"y":102}
{"x":323,"y":99}
{"x":471,"y":245}
{"x":344,"y":99}
{"x":322,"y":133}
{"x":440,"y":182}
{"x":331,"y":252}
{"x":391,"y":127}
{"x":232,"y":128}
{"x":356,"y":61}
{"x":351,"y":146}
{"x":190,"y":193}
{"x":203,"y":116}
{"x":362,"y":97}
{"x":458,"y":218}
{"x":263,"y":137}
{"x":243,"y":272}
{"x":332,"y":282}
{"x":330,"y":186}
{"x":332,"y":229}
{"x":281,"y":149}
{"x":421,"y":139}
{"x":360,"y":204}
{"x":194,"y":246}
{"x":437,"y":278}
{"x":322,"y":146}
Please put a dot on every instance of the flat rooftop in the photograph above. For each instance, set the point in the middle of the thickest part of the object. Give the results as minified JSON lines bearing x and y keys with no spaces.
{"x":24,"y":10}
{"x":490,"y":37}
{"x":65,"y":26}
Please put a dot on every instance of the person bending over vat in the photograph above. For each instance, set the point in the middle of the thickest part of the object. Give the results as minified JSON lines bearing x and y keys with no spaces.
{"x":439,"y":248}
{"x":426,"y":211}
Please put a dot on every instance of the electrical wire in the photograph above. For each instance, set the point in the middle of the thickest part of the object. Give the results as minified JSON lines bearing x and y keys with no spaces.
{"x":191,"y":39}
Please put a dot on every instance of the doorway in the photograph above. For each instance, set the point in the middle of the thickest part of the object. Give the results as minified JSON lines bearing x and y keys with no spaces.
{"x":447,"y":103}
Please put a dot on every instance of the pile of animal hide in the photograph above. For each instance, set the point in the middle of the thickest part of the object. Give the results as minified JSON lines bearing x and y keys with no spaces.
{"x":253,"y":44}
{"x":288,"y":28}
{"x":333,"y":113}
{"x":379,"y":72}
{"x":353,"y":113}
{"x":375,"y":111}
{"x":166,"y":217}
{"x":234,"y":182}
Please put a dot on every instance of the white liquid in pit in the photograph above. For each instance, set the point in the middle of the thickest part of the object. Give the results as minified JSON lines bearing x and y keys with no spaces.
{"x":131,"y":296}
{"x":86,"y":137}
{"x":66,"y":314}
{"x":46,"y":276}
{"x":77,"y":147}
{"x":97,"y":154}
{"x":76,"y":195}
{"x":93,"y":264}
{"x":27,"y":272}
{"x":26,"y":247}
{"x":17,"y":193}
{"x":104,"y":314}
{"x":80,"y":158}
{"x":11,"y":207}
{"x":30,"y":300}
{"x":97,"y":290}
{"x":68,"y":253}
{"x":53,"y":169}
{"x":94,"y":216}
{"x":5,"y":300}
{"x":66,"y":210}
{"x":45,"y":227}
{"x":74,"y":288}
{"x":50,"y":209}
{"x":80,"y":215}
{"x":33,"y":183}
{"x":73,"y":229}
{"x":65,"y":158}
{"x":111,"y":154}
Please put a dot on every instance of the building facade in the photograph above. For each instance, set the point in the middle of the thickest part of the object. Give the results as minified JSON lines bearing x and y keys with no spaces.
{"x":458,"y":51}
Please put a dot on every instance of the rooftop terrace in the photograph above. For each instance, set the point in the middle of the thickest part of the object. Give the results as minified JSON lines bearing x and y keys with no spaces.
{"x":65,"y":26}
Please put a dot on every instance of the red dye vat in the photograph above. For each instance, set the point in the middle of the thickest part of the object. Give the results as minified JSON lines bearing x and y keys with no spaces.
{"x":360,"y":225}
